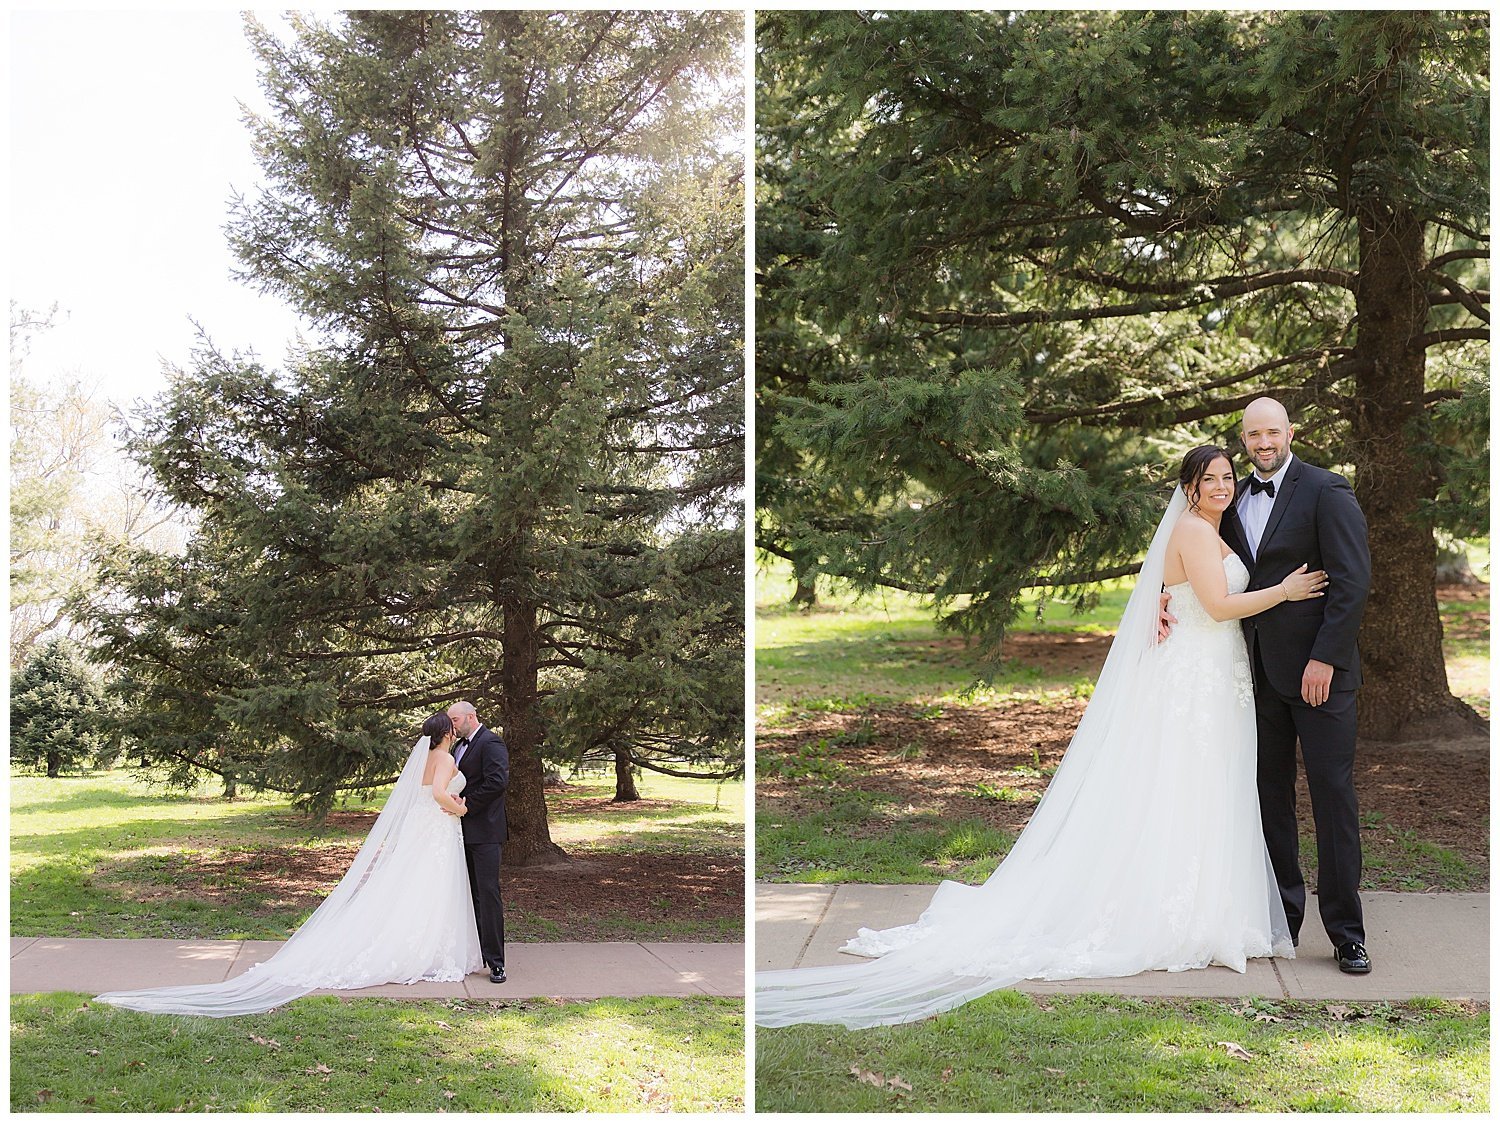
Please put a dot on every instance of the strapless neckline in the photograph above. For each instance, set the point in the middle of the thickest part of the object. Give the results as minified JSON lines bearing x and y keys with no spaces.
{"x":1224,"y":559}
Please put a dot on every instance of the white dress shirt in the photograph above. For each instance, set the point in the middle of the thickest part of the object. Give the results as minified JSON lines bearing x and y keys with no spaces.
{"x":1254,"y":509}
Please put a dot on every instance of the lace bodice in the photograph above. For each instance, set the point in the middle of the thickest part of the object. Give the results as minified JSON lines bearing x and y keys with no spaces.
{"x":1203,"y":653}
{"x":1189,"y":609}
{"x":455,"y":785}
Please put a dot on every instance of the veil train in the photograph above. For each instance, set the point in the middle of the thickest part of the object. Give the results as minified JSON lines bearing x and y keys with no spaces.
{"x":305,"y":962}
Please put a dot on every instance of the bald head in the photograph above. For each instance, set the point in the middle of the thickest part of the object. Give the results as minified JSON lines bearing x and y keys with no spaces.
{"x":464,"y":718}
{"x":1264,"y":411}
{"x":1267,"y":435}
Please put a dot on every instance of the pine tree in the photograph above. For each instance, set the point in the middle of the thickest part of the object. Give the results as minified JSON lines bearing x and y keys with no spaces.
{"x":510,"y":469}
{"x":59,"y":715}
{"x":1013,"y":264}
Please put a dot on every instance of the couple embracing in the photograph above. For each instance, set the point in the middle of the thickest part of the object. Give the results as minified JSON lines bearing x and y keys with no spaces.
{"x":421,"y":901}
{"x":1167,"y":839}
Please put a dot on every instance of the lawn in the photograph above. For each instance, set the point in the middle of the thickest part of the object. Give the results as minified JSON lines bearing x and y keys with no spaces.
{"x":1011,"y":1052}
{"x":889,"y":751}
{"x":106,"y":855}
{"x":376,"y":1055}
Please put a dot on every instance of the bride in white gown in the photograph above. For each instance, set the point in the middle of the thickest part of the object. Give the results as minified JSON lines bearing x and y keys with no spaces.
{"x":1146,"y":851}
{"x":402,"y":913}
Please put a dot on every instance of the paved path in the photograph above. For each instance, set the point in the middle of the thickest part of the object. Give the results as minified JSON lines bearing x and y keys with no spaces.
{"x":1433,"y":945}
{"x":615,"y":970}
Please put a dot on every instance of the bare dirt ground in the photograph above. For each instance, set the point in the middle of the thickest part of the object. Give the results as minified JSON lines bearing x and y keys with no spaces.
{"x":599,"y":895}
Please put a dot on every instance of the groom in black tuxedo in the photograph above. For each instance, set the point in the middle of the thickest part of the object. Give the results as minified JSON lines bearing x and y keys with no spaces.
{"x":485,"y":762}
{"x":1305,"y":659}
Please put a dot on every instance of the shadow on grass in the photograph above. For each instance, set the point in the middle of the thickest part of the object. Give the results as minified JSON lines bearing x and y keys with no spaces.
{"x":324,"y":1053}
{"x":1009,"y":1052}
{"x":98,"y":798}
{"x":865,"y":837}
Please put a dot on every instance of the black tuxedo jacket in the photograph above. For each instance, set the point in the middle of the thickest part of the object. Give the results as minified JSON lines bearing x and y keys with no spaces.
{"x":486,"y":764}
{"x":1316,"y":520}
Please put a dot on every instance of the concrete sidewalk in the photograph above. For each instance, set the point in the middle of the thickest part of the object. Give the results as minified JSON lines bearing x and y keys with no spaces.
{"x":1433,"y":945}
{"x":612,"y":970}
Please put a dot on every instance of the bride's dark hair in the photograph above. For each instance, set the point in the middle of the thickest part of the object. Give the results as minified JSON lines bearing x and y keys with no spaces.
{"x":1194,"y":466}
{"x":437,"y":727}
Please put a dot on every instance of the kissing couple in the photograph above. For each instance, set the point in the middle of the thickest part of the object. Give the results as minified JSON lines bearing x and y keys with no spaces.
{"x":1167,"y":839}
{"x":421,"y":901}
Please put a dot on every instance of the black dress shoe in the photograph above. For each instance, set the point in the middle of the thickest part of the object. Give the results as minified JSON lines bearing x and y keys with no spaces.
{"x":497,"y":974}
{"x":1353,"y":959}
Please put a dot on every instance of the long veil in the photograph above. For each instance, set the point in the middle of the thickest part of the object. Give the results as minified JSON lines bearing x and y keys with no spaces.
{"x":307,"y":961}
{"x":1030,"y":919}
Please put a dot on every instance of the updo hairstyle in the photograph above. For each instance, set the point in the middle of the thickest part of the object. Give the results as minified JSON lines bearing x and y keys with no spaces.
{"x":1195,"y":466}
{"x":438,"y":726}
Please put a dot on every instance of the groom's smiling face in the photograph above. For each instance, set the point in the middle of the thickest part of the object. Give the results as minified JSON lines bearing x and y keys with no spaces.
{"x":1267,"y":436}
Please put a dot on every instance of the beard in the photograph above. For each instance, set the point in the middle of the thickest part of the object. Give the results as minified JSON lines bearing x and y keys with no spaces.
{"x":1278,"y":458}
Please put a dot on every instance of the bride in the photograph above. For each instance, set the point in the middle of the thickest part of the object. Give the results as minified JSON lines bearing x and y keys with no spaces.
{"x":1146,"y":851}
{"x":402,"y":913}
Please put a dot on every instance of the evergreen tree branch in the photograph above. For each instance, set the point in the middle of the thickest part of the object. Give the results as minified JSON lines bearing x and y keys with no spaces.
{"x":1206,"y":292}
{"x":1069,"y":580}
{"x":1472,"y":299}
{"x":1140,"y":406}
{"x":1448,"y":335}
{"x":1451,"y":256}
{"x":643,"y":762}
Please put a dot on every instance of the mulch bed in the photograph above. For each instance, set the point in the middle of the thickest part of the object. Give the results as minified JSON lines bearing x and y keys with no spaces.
{"x":643,"y":888}
{"x":607,"y":885}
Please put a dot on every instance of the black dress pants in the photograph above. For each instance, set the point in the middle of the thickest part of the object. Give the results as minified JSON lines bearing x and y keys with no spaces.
{"x":1326,"y":733}
{"x":483,"y":860}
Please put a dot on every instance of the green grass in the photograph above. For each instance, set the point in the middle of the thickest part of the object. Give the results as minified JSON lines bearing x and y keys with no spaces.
{"x":882,"y":647}
{"x":870,"y":837}
{"x":1010,"y":1052}
{"x":323,"y":1054}
{"x":1466,"y":650}
{"x":76,"y":841}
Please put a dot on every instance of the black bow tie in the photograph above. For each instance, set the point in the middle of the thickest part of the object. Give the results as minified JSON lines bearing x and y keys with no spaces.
{"x":463,"y":741}
{"x":1258,"y":486}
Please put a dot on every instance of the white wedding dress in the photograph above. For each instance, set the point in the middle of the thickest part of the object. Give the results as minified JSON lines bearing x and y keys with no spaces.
{"x":403,"y":913}
{"x":1144,"y":854}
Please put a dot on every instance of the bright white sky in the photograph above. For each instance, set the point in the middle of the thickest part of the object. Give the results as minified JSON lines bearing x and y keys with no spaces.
{"x":126,"y":142}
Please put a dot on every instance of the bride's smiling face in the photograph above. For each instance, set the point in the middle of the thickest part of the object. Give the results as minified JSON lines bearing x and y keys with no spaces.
{"x":1214,"y":490}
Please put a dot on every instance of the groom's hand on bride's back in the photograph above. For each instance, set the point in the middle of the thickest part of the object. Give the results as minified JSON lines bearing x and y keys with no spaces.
{"x":1166,"y":620}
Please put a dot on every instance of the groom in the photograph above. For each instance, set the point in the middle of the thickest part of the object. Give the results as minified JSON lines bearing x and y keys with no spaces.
{"x":1306,"y":666}
{"x":485,"y":762}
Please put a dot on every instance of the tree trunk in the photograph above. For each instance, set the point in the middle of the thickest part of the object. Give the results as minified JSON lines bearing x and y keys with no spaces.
{"x":529,"y":843}
{"x":54,"y":764}
{"x":1405,"y":693}
{"x":231,"y":785}
{"x":806,"y":594}
{"x":625,"y":790}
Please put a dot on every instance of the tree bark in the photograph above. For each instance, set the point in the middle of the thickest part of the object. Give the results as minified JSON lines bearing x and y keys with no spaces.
{"x":625,"y":789}
{"x":806,"y":594}
{"x":54,"y":764}
{"x":1405,"y":693}
{"x":530,"y":842}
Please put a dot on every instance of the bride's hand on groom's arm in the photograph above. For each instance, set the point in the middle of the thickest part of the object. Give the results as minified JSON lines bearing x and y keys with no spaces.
{"x":1302,"y":585}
